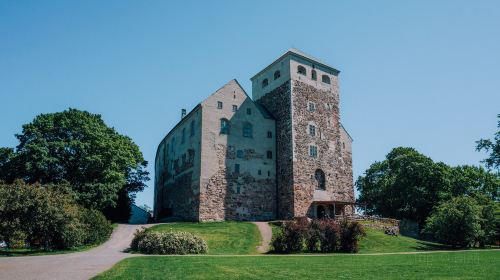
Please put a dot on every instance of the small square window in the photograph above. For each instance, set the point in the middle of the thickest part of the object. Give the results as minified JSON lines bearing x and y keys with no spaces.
{"x":249,"y":111}
{"x":219,"y":105}
{"x":312,"y":130}
{"x":269,"y":134}
{"x":239,"y":153}
{"x":235,"y":108}
{"x":311,"y":106}
{"x":313,"y":151}
{"x":269,"y":154}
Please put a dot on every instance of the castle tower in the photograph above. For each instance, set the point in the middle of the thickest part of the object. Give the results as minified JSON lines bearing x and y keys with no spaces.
{"x":313,"y":150}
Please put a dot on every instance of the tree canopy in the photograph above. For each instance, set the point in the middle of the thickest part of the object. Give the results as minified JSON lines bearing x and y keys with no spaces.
{"x":407,"y":185}
{"x":493,"y":147}
{"x":77,"y":148}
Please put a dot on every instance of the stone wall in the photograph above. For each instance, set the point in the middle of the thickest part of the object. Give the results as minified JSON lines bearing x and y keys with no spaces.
{"x":278,"y":102}
{"x":325,"y":118}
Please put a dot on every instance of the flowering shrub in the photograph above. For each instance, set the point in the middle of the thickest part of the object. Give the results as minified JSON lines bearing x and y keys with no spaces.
{"x":168,"y":243}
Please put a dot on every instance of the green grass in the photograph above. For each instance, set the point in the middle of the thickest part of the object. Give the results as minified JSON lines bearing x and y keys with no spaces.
{"x":437,"y":265}
{"x":376,"y":241}
{"x":223,"y":238}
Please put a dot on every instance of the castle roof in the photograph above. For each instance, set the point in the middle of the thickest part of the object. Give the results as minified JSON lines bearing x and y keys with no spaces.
{"x":300,"y":54}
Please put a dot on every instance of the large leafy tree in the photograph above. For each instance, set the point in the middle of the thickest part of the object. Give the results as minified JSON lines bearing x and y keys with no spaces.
{"x":406,"y":185}
{"x":78,"y":148}
{"x":493,"y":148}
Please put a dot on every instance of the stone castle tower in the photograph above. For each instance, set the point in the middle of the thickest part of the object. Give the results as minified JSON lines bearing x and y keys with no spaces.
{"x":314,"y":162}
{"x":279,"y":155}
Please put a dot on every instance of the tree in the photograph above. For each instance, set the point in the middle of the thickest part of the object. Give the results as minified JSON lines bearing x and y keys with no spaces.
{"x":493,"y":147}
{"x":474,"y":181}
{"x":456,"y":222}
{"x":47,"y":217}
{"x":406,"y":185}
{"x":77,"y":148}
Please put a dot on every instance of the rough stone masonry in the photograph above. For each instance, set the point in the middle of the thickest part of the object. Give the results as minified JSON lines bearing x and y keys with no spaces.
{"x":281,"y":154}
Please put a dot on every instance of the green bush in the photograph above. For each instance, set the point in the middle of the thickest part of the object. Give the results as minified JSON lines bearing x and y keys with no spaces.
{"x":167,"y":243}
{"x":47,"y":217}
{"x":325,"y":235}
{"x":456,"y":222}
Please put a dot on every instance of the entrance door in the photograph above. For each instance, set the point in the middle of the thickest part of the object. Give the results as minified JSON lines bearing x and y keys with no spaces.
{"x":320,"y":212}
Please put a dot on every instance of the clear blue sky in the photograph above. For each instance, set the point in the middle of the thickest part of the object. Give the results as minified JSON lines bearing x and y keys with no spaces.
{"x":424,"y":74}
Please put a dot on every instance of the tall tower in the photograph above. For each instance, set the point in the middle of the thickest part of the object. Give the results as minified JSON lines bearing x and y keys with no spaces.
{"x":314,"y":162}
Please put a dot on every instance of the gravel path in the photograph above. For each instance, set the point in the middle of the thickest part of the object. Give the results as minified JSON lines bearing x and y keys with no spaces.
{"x":267,"y":233}
{"x":74,"y":266}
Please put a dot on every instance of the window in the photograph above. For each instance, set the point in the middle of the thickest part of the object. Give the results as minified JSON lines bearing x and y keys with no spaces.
{"x":301,"y":70}
{"x":269,"y":134}
{"x":265,"y":82}
{"x":249,"y":111}
{"x":268,"y":173}
{"x":239,"y":153}
{"x":312,"y":130}
{"x":238,"y":189}
{"x":235,"y":108}
{"x":319,"y":175}
{"x":269,"y":154}
{"x":259,"y":172}
{"x":225,"y":127}
{"x":219,"y":105}
{"x":183,"y":135}
{"x":325,"y":79}
{"x":237,"y":168}
{"x":191,"y":129}
{"x":343,"y":145}
{"x":313,"y":75}
{"x":311,"y":107}
{"x":277,"y":74}
{"x":247,"y":130}
{"x":313,"y":151}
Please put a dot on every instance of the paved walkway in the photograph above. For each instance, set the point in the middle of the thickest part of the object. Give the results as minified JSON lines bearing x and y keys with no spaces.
{"x":267,"y":234}
{"x":74,"y":266}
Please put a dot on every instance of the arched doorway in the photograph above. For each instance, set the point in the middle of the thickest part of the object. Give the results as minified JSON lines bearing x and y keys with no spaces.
{"x":320,"y":212}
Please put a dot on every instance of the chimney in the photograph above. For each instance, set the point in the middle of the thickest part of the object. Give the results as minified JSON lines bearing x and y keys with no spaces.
{"x":183,"y":113}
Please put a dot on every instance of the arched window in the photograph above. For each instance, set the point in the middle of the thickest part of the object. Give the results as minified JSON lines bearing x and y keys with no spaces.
{"x":225,"y":126}
{"x":325,"y":79}
{"x":301,"y":70}
{"x":265,"y":82}
{"x":319,"y":175}
{"x":313,"y":75}
{"x":247,"y":130}
{"x":277,"y":74}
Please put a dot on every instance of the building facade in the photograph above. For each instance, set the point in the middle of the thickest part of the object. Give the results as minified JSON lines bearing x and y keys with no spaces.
{"x":279,"y":155}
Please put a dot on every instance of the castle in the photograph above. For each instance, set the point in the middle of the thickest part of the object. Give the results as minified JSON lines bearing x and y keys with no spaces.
{"x":281,"y":154}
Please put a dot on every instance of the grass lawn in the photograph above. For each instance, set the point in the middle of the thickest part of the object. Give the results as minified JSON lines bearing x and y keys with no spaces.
{"x":223,"y":238}
{"x":376,"y":241}
{"x":438,"y":265}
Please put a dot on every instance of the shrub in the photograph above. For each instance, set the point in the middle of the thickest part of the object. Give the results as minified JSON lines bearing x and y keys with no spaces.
{"x":456,"y":222}
{"x":167,"y":243}
{"x":325,"y":235}
{"x":331,"y":231}
{"x":97,"y":227}
{"x":46,"y":216}
{"x":290,"y":238}
{"x":351,"y":233}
